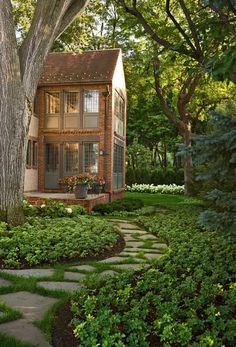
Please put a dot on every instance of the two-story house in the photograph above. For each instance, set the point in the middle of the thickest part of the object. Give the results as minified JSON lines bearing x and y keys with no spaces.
{"x":79,"y":121}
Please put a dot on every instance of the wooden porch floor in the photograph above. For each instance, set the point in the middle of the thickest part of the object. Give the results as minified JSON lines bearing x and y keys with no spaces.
{"x":38,"y":198}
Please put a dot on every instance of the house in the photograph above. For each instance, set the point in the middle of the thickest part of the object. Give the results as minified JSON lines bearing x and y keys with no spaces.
{"x":79,"y":121}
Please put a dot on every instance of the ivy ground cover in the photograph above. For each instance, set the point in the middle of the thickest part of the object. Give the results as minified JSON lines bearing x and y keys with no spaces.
{"x":188,"y":298}
{"x":46,"y":240}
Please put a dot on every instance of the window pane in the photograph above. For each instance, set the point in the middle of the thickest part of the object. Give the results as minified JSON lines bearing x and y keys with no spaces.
{"x":71,"y":102}
{"x":28,"y":156}
{"x":52,"y":122}
{"x":118,"y":166}
{"x":52,"y":102}
{"x":35,"y":153}
{"x":71,"y":160}
{"x":119,"y":112}
{"x":52,"y":157}
{"x":91,"y":101}
{"x":91,"y":158}
{"x":90,"y":121}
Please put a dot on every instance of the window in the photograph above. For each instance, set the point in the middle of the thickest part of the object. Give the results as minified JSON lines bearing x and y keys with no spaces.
{"x":118,"y":167}
{"x":71,"y":102}
{"x":71,"y":159}
{"x":52,"y":110}
{"x":91,"y":108}
{"x":51,"y":157}
{"x":35,"y":154}
{"x":91,"y":158}
{"x":119,"y":112}
{"x":64,"y":111}
{"x":28,"y":155}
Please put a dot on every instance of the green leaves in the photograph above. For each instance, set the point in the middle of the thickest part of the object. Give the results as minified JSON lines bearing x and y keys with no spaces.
{"x":49,"y":240}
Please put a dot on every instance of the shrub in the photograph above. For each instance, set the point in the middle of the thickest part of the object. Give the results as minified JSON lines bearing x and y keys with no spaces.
{"x":154,"y":176}
{"x":187,"y":298}
{"x":126,"y":204}
{"x":52,"y":209}
{"x":48,"y":240}
{"x":150,"y":188}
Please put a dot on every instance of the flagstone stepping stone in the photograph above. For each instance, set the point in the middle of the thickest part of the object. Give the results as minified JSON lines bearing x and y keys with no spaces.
{"x":128,"y":238}
{"x":148,"y":237}
{"x":128,"y":226}
{"x":32,"y":306}
{"x":153,"y":255}
{"x":74,"y":276}
{"x":108,"y":273}
{"x":159,"y":245}
{"x":143,"y":250}
{"x":130,"y":254}
{"x":134,"y":244}
{"x":84,"y":267}
{"x":113,"y":260}
{"x":24,"y":331}
{"x":5,"y":283}
{"x":65,"y":286}
{"x":133,"y":232}
{"x":30,"y":272}
{"x":130,"y":266}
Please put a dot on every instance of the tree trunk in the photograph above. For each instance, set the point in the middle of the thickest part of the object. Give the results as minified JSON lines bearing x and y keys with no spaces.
{"x":20,"y":70}
{"x":13,"y":146}
{"x":187,"y":160}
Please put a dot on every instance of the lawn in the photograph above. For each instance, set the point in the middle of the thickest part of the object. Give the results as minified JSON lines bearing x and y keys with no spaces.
{"x":164,"y":200}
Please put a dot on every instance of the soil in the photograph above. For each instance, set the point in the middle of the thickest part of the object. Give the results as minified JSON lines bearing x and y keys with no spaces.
{"x":62,"y":333}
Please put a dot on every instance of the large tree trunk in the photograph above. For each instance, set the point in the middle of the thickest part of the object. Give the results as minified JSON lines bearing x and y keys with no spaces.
{"x":20,"y":71}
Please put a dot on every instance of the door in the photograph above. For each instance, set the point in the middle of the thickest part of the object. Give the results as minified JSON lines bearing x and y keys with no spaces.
{"x":52,"y":165}
{"x":61,"y":160}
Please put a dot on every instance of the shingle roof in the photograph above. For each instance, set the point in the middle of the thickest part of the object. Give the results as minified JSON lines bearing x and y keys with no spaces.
{"x":89,"y":66}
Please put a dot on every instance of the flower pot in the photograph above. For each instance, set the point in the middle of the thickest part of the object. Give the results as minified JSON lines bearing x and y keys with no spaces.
{"x":81,"y":191}
{"x":97,"y":188}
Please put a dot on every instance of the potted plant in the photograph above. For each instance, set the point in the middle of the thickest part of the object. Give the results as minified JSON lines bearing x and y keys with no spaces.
{"x":80,"y":184}
{"x":64,"y":184}
{"x":98,"y":185}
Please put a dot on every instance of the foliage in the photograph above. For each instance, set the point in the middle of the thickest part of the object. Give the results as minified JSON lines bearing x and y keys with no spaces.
{"x":154,"y":175}
{"x":52,"y":209}
{"x":43,"y":240}
{"x":216,"y":156}
{"x":83,"y":178}
{"x":143,"y":211}
{"x":125,"y":204}
{"x":161,"y":189}
{"x":186,"y":298}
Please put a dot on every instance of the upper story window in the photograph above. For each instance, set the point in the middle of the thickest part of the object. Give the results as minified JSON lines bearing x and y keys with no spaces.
{"x":72,"y":109}
{"x":52,"y":110}
{"x":91,"y":108}
{"x":119,"y":113}
{"x":53,"y":102}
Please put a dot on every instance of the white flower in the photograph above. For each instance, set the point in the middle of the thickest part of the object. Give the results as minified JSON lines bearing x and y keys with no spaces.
{"x":68,"y":210}
{"x":43,"y":205}
{"x":30,"y":205}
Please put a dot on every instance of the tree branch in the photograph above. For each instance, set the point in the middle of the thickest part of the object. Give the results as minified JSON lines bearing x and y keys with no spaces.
{"x":148,"y":29}
{"x":165,"y":107}
{"x":192,"y":29}
{"x":186,"y":93}
{"x":75,"y":8}
{"x":50,"y":18}
{"x":178,"y":27}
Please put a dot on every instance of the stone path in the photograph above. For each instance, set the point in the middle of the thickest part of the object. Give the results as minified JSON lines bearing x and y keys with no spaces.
{"x":141,"y":248}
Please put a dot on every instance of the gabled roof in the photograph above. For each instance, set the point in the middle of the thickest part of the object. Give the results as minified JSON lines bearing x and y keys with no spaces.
{"x":86,"y":67}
